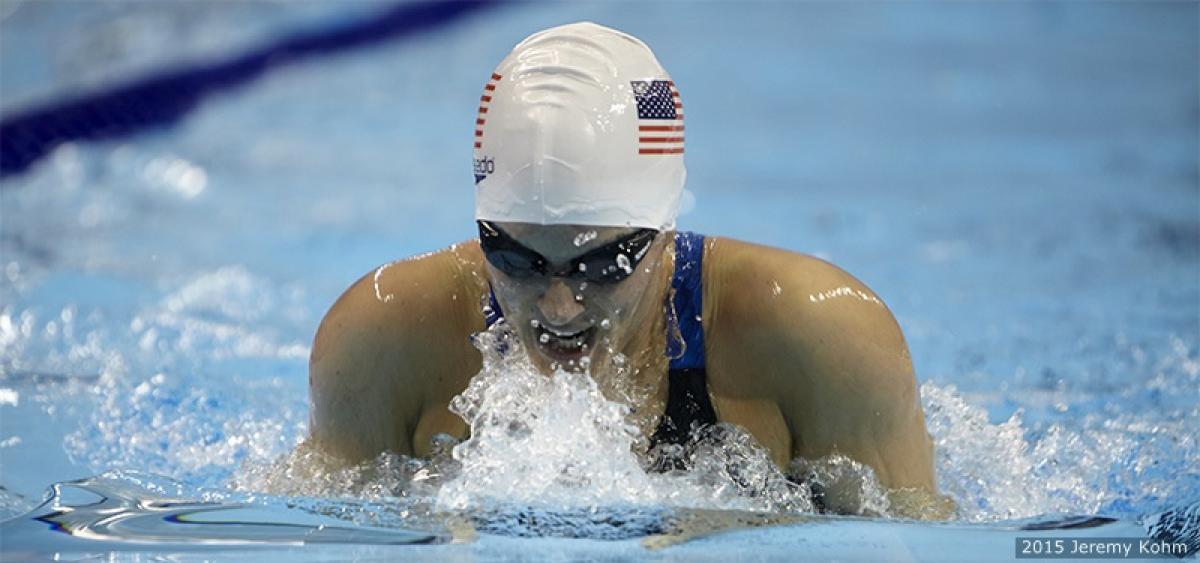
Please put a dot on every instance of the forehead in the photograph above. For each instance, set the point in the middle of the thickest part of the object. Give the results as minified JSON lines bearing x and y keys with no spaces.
{"x":563,"y":242}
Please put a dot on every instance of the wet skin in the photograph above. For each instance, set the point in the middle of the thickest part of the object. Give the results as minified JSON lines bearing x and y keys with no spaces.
{"x":799,"y":353}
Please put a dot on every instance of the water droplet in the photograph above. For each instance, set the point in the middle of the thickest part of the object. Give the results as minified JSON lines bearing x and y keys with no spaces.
{"x":585,"y":237}
{"x":623,"y":264}
{"x":605,"y":324}
{"x":544,"y":338}
{"x":534,"y":323}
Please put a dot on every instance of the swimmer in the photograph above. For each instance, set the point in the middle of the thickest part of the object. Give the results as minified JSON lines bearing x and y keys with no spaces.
{"x":579,"y":173}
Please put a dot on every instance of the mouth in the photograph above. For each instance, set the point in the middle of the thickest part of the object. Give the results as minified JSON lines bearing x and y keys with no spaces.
{"x":565,"y":346}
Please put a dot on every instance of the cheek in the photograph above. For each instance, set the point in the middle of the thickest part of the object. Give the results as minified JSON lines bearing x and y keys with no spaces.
{"x":615,"y":303}
{"x":515,"y":296}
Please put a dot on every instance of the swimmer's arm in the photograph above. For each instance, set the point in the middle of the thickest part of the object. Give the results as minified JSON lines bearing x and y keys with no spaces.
{"x":384,"y":361}
{"x":356,"y":411}
{"x":867,"y":405}
{"x":837,"y":363}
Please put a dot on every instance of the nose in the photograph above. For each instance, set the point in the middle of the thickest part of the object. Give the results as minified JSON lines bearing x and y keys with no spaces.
{"x":558,"y":304}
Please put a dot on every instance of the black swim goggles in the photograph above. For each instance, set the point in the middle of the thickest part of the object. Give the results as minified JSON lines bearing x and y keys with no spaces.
{"x":602,"y":265}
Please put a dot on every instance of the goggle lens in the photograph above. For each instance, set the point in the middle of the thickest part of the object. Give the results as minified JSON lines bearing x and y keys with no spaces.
{"x":611,"y":263}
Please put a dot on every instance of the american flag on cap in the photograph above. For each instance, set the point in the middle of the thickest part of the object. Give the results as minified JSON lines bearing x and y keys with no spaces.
{"x":660,"y":117}
{"x":484,"y":101}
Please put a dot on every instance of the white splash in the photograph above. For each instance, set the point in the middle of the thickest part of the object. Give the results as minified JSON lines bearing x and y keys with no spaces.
{"x":558,"y":442}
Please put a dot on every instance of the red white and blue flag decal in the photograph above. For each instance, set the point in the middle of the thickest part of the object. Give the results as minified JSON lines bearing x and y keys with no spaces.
{"x":660,"y":117}
{"x":484,"y":101}
{"x":485,"y":165}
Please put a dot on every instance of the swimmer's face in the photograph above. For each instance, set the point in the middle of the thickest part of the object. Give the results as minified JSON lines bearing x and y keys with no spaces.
{"x":542,"y":283}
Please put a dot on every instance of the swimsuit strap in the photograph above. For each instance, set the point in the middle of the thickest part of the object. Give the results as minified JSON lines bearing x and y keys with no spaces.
{"x":687,"y":350}
{"x":492,"y":313}
{"x":688,"y":403}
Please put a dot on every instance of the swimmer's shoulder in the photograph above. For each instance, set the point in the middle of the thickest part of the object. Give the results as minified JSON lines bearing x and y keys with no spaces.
{"x":826,"y":350}
{"x":808,"y":320}
{"x":431,"y":294}
{"x":755,"y":284}
{"x":394,"y":346}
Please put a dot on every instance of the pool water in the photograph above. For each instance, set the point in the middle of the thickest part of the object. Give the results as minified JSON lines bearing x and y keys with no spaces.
{"x":1020,"y":182}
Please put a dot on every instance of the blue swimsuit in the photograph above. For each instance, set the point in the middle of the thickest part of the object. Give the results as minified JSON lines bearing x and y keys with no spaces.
{"x":688,"y":403}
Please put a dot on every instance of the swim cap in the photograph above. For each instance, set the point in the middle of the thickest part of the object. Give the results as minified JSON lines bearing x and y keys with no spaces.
{"x":580,"y":125}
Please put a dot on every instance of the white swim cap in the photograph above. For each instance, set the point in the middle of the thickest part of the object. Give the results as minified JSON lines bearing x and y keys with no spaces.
{"x":580,"y":125}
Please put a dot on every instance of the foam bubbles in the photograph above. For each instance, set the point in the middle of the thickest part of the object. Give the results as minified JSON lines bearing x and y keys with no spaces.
{"x":1125,"y":464}
{"x":562,"y":442}
{"x":167,"y":426}
{"x":536,"y":440}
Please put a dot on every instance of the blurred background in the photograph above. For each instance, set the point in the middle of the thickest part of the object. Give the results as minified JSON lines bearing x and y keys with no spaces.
{"x":187,"y":187}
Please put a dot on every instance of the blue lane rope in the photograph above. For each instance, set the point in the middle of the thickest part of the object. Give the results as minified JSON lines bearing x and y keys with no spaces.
{"x":162,"y":99}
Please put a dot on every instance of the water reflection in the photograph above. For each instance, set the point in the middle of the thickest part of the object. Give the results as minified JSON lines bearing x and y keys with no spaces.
{"x":116,"y":513}
{"x":842,"y":291}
